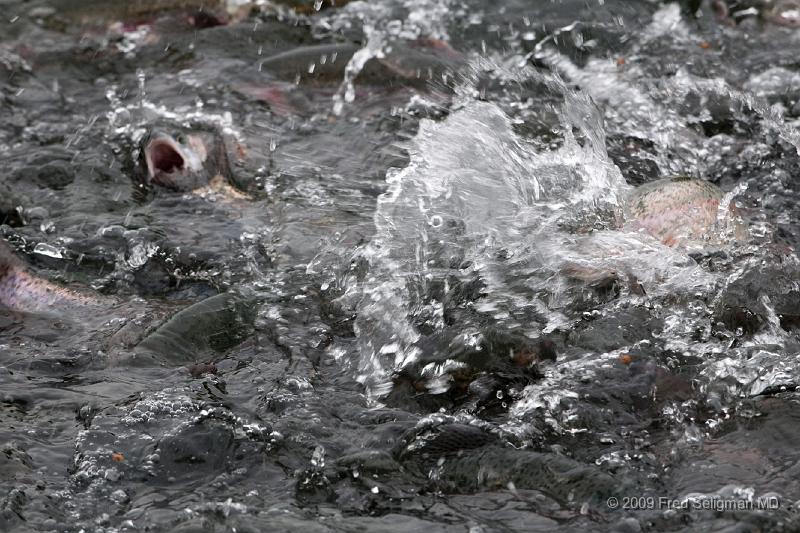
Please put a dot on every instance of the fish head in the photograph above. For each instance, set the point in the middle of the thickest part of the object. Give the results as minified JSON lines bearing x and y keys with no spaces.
{"x":181,"y":160}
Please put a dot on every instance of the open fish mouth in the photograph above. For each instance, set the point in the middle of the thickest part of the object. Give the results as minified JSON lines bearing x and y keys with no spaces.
{"x":164,"y":155}
{"x":168,"y":161}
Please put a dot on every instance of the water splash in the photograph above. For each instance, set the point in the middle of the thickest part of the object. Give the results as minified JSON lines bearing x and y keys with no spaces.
{"x":477,"y":201}
{"x":373,"y":49}
{"x":383,"y":24}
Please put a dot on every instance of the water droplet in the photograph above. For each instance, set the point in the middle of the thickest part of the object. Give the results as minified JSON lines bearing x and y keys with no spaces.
{"x":48,"y":250}
{"x":140,"y":76}
{"x":350,"y":93}
{"x":318,"y":457}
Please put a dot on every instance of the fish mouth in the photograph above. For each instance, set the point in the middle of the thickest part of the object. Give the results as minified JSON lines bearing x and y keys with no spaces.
{"x":179,"y":163}
{"x":164,"y":156}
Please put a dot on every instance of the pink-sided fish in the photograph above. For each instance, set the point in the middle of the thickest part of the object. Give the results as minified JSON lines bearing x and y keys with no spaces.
{"x":683,"y":211}
{"x":24,"y":292}
{"x":173,"y":159}
{"x":145,"y":335}
{"x":784,"y":13}
{"x":679,"y":212}
{"x":780,"y":12}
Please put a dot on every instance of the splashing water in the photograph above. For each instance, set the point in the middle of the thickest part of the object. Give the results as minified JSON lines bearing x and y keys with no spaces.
{"x":373,"y":49}
{"x":504,"y":223}
{"x":382,"y":24}
{"x":477,"y":201}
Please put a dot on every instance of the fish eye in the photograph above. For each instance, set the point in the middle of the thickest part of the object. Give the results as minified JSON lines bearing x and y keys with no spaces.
{"x":181,"y":138}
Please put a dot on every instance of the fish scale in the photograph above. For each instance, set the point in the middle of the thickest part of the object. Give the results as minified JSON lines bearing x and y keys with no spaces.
{"x":24,"y":292}
{"x":679,"y":210}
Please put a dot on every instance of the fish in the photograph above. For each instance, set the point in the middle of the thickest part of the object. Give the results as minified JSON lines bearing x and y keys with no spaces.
{"x":687,"y":214}
{"x":318,"y":64}
{"x":205,"y":328}
{"x":23,"y":292}
{"x":414,"y":63}
{"x":96,"y":13}
{"x":470,"y":459}
{"x":149,"y":336}
{"x":192,"y":160}
{"x":308,"y":7}
{"x":784,"y":13}
{"x":779,"y":12}
{"x":454,"y":368}
{"x":682,"y":211}
{"x":422,"y":65}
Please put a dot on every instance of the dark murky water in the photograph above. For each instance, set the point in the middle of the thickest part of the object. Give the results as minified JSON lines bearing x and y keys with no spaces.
{"x":371,"y":324}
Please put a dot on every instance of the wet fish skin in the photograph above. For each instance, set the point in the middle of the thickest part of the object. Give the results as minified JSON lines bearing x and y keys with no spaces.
{"x":565,"y":480}
{"x":779,"y":12}
{"x":87,"y":12}
{"x":477,"y":460}
{"x":445,"y":440}
{"x":24,"y":292}
{"x":679,"y":210}
{"x":182,"y":159}
{"x":211,"y":325}
{"x":414,"y":63}
{"x":424,"y":62}
{"x":308,"y":7}
{"x":784,"y":13}
{"x":329,"y":61}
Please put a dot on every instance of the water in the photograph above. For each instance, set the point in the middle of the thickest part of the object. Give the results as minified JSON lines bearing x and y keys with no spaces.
{"x":422,"y":308}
